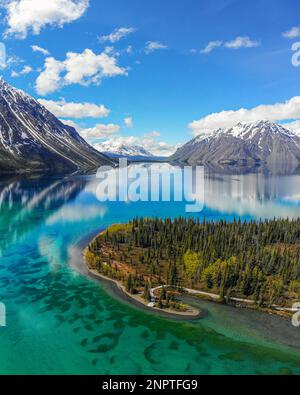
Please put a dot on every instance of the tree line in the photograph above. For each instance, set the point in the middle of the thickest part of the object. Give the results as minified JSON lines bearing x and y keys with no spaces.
{"x":259,"y":260}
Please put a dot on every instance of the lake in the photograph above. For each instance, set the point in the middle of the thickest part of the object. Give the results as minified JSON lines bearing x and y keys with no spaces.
{"x":61,"y":322}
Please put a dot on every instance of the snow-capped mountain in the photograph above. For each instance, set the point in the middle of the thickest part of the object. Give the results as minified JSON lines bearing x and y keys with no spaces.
{"x":120,"y":150}
{"x":260,"y":142}
{"x":116,"y":148}
{"x":31,"y":138}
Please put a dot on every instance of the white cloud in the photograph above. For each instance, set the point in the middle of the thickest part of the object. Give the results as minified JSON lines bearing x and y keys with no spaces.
{"x":117,"y":35}
{"x":50,"y":79}
{"x":8,"y":61}
{"x":76,"y":213}
{"x":237,"y":43}
{"x":211,"y":46}
{"x":226,"y":119}
{"x":128,"y":122}
{"x":129,"y":50}
{"x":2,"y":56}
{"x":152,"y":134}
{"x":110,"y":50}
{"x":43,"y":51}
{"x":71,"y":123}
{"x":24,"y":16}
{"x":293,"y":126}
{"x":294,"y":32}
{"x":152,"y":143}
{"x":152,"y":46}
{"x":160,"y":148}
{"x":84,"y":68}
{"x":99,"y":131}
{"x":75,"y":110}
{"x":24,"y":71}
{"x":241,"y":42}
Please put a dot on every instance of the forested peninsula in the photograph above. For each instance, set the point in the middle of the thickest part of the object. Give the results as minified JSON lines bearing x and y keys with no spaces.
{"x":256,"y":262}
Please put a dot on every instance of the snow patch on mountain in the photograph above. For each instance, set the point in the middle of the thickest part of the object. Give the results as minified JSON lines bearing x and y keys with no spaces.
{"x":122,"y":150}
{"x":32,"y":138}
{"x":256,"y":142}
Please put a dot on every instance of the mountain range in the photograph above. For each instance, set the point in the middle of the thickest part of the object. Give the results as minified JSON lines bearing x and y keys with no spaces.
{"x":254,"y":143}
{"x":118,"y":150}
{"x":33,"y":139}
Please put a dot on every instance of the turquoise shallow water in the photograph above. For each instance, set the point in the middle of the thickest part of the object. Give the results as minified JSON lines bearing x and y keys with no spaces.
{"x":59,"y":321}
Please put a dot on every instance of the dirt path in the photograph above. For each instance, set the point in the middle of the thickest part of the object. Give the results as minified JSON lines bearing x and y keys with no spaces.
{"x":215,"y":297}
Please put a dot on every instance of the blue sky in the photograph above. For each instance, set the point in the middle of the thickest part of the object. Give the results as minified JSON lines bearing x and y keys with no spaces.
{"x":164,"y":89}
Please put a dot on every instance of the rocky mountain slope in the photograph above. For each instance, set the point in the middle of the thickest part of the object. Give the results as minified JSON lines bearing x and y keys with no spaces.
{"x":255,"y":143}
{"x":33,"y":139}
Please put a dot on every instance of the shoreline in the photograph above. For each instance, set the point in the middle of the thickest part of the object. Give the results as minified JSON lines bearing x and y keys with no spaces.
{"x":139,"y":302}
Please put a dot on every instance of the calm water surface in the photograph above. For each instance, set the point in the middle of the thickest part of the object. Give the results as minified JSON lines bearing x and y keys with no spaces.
{"x":59,"y":321}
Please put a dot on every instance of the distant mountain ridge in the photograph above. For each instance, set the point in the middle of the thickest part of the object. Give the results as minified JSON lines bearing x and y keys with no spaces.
{"x":33,"y":139}
{"x":260,"y":142}
{"x":132,"y":152}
